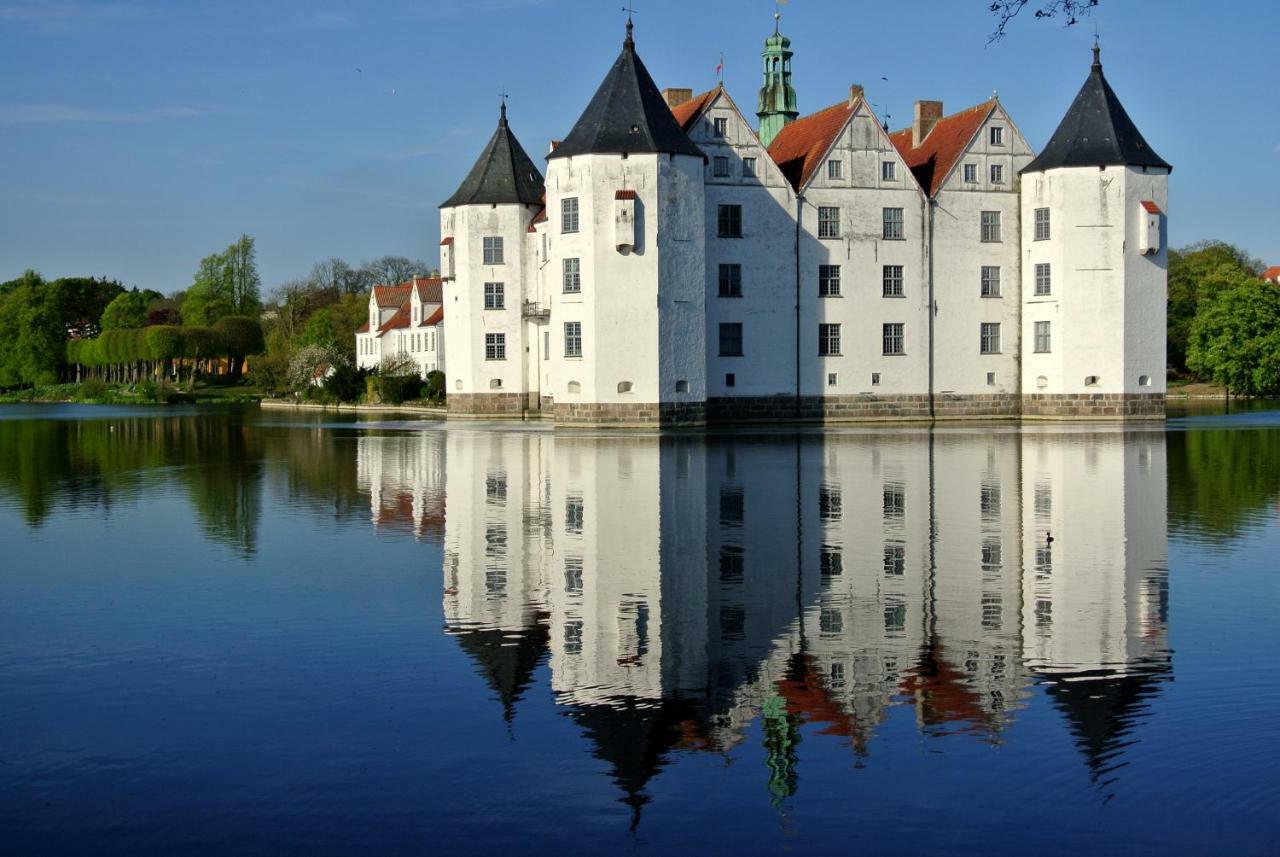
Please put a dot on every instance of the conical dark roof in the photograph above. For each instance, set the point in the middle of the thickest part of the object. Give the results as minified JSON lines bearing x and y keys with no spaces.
{"x":627,"y":114}
{"x":504,"y":173}
{"x":506,"y":659}
{"x":1096,"y":132}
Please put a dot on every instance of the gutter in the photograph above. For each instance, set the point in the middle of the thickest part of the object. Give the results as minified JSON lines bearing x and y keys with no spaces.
{"x":799,"y":223}
{"x":932,"y":306}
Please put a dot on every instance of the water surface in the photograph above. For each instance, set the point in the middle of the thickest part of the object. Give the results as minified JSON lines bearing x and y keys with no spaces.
{"x":225,"y":631}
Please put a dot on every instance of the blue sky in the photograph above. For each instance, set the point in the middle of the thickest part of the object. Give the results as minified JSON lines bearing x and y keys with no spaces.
{"x":137,"y":137}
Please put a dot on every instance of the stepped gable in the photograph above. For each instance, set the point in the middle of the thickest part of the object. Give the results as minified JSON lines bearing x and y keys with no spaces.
{"x":800,"y":146}
{"x":504,"y":173}
{"x":1096,"y":132}
{"x":627,"y":114}
{"x":932,"y":161}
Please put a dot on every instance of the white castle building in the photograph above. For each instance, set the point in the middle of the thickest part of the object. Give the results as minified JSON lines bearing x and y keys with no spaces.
{"x":677,"y":266}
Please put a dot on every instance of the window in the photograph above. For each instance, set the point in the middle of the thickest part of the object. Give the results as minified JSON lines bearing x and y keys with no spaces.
{"x":573,"y":339}
{"x":730,"y":281}
{"x":493,"y":250}
{"x":991,"y":379}
{"x":495,"y":346}
{"x":875,"y":379}
{"x":573,"y":575}
{"x":721,"y":166}
{"x":720,"y":125}
{"x":573,"y":637}
{"x":830,"y":561}
{"x":730,"y":221}
{"x":494,"y":295}
{"x":830,"y":620}
{"x":831,"y":379}
{"x":892,"y":281}
{"x":991,"y":281}
{"x":1042,"y":337}
{"x":574,"y":512}
{"x":748,"y":166}
{"x":990,"y":337}
{"x":894,"y":497}
{"x":1091,"y":380}
{"x":731,"y":564}
{"x":569,"y":214}
{"x":572,"y":276}
{"x":828,"y":222}
{"x":731,"y":339}
{"x":893,"y":224}
{"x":971,"y":173}
{"x":730,"y":379}
{"x":997,"y":174}
{"x":624,"y":386}
{"x":1042,"y":224}
{"x":828,"y":281}
{"x":830,"y":503}
{"x":828,"y":340}
{"x":895,"y":559}
{"x":1044,"y":279}
{"x":997,"y":135}
{"x":888,"y":171}
{"x":892,"y":334}
{"x":835,"y":169}
{"x":990,"y":226}
{"x":682,"y":386}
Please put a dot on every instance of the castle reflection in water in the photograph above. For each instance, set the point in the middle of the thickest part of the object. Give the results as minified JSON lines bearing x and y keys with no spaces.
{"x":685,"y":587}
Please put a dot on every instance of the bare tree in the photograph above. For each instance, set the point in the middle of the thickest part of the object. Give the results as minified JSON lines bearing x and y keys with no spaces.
{"x":335,"y":274}
{"x":389,"y":270}
{"x":1069,"y":10}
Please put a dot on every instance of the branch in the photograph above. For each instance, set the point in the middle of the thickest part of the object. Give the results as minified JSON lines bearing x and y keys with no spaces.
{"x":1006,"y":10}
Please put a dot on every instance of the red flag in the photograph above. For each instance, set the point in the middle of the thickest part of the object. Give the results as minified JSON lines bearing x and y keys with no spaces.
{"x":720,"y":67}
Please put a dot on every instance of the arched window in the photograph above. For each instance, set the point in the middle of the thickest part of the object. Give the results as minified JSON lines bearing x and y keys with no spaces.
{"x":575,"y":387}
{"x":682,"y":386}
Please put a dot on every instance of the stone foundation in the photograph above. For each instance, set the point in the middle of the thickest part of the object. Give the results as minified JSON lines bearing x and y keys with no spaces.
{"x":1094,"y":406}
{"x":950,"y":406}
{"x":858,"y":408}
{"x":493,"y":405}
{"x":648,"y":414}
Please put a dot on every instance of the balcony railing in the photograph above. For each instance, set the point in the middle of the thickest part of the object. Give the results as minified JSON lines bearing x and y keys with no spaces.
{"x":536,"y":311}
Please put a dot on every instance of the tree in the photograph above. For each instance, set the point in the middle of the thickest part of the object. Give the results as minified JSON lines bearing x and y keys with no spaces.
{"x":336,"y":275}
{"x":1069,"y":10}
{"x":128,"y":309}
{"x":1235,"y":338}
{"x":1188,"y":269}
{"x":240,"y":270}
{"x":32,"y":331}
{"x":83,"y":299}
{"x":389,"y":270}
{"x":209,"y":297}
{"x":240,"y":337}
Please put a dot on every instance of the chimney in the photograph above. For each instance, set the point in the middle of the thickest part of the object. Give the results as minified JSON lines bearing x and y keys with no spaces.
{"x":676,"y":97}
{"x":855,"y":92}
{"x":926,"y":116}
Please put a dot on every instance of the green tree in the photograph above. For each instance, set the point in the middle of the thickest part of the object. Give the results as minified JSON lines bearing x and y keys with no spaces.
{"x":1235,"y":337}
{"x":240,"y":270}
{"x":1188,"y":269}
{"x":128,"y":309}
{"x":240,"y":337}
{"x":32,"y":332}
{"x":209,"y":297}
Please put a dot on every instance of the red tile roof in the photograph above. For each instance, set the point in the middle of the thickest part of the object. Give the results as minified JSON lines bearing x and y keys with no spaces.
{"x":398,"y":321}
{"x":1150,"y":207}
{"x":1272,"y":273}
{"x":436,"y":318}
{"x":364,"y":328}
{"x":801,"y":145}
{"x":389,"y":296}
{"x":430,"y":289}
{"x":933,"y":159}
{"x":446,"y":242}
{"x":624,"y":194}
{"x":688,"y":112}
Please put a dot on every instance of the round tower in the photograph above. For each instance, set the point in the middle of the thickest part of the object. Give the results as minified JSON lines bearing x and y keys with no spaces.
{"x":1095,"y":253}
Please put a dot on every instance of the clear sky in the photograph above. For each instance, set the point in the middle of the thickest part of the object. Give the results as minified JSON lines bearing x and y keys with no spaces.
{"x":137,"y":137}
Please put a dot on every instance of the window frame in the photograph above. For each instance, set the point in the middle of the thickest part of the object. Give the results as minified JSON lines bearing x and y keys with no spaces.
{"x":573,"y":340}
{"x":997,"y":173}
{"x":888,"y":171}
{"x":495,"y":346}
{"x":748,"y":167}
{"x":829,"y":339}
{"x":996,"y":135}
{"x":720,"y":166}
{"x":893,"y":220}
{"x":892,"y":282}
{"x":1042,"y":284}
{"x":828,"y":221}
{"x":828,"y":276}
{"x":720,"y":126}
{"x":989,"y":285}
{"x":1043,"y":338}
{"x":729,"y":220}
{"x":970,"y":174}
{"x":990,"y":232}
{"x":733,"y":329}
{"x":566,"y":274}
{"x":893,"y":339}
{"x":835,"y":169}
{"x":493,"y":250}
{"x":570,"y":215}
{"x":729,"y":280}
{"x":1041,"y":229}
{"x":989,"y":337}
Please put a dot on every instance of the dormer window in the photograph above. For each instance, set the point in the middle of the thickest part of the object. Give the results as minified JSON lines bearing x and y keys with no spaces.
{"x":720,"y":126}
{"x":997,"y":135}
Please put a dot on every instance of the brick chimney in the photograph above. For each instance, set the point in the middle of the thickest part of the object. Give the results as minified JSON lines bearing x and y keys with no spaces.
{"x":676,"y":97}
{"x":855,"y":92}
{"x":927,"y":115}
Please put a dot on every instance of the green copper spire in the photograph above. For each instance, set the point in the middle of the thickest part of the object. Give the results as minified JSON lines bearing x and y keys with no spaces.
{"x":777,"y":105}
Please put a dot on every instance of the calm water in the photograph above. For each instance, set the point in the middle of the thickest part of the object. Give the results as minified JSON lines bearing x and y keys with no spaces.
{"x":233,"y":632}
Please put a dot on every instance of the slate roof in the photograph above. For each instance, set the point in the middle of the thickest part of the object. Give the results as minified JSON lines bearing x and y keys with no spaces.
{"x":627,"y":114}
{"x":800,"y":145}
{"x":933,"y":159}
{"x":503,"y":174}
{"x":1096,"y":132}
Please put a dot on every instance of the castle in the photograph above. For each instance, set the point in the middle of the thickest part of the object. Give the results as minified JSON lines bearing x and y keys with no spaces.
{"x":676,"y":266}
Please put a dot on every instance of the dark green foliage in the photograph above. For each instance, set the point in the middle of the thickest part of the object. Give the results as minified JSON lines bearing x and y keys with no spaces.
{"x":241,"y":337}
{"x":399,"y":388}
{"x":128,"y":309}
{"x":1189,"y":270}
{"x":1235,"y":337}
{"x":1222,"y":480}
{"x":32,"y":331}
{"x":435,"y":385}
{"x":346,"y":384}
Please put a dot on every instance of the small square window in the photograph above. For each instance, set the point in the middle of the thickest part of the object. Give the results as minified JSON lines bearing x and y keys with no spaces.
{"x":971,"y":173}
{"x":721,"y":166}
{"x":831,"y":379}
{"x":875,"y":379}
{"x":835,"y":169}
{"x":748,"y":167}
{"x":730,"y":379}
{"x":888,"y":171}
{"x":720,"y":125}
{"x":997,"y":135}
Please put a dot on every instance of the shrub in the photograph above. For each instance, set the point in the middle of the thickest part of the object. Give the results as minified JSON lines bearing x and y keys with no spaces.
{"x":91,"y":389}
{"x":346,"y":383}
{"x":435,"y":385}
{"x":399,"y":381}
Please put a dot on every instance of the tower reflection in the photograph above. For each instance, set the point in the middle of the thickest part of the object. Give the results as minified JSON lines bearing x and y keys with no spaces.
{"x":685,"y":590}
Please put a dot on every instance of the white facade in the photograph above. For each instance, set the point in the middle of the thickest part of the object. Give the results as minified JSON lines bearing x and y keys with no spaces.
{"x":406,"y":322}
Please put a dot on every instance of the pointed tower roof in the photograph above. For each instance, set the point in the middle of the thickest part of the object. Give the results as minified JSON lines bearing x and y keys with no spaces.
{"x":1096,"y":132}
{"x":504,"y":173}
{"x":627,"y":114}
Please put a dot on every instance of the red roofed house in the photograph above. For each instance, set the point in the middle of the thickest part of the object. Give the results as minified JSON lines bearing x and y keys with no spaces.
{"x":406,"y":321}
{"x":1272,"y":275}
{"x":681,"y":264}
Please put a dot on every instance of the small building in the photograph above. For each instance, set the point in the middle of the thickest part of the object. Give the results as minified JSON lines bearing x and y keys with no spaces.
{"x":1272,"y":275}
{"x":406,"y":322}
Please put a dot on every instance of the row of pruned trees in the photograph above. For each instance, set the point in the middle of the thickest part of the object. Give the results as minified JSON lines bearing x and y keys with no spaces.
{"x":135,"y":354}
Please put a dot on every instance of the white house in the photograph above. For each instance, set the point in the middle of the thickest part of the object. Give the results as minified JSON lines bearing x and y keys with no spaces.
{"x":406,"y":322}
{"x":677,"y":267}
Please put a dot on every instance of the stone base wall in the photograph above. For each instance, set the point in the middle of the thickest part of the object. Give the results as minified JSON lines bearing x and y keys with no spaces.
{"x":858,"y":408}
{"x":1094,"y":406}
{"x":947,"y":406}
{"x":505,"y":405}
{"x":647,"y":414}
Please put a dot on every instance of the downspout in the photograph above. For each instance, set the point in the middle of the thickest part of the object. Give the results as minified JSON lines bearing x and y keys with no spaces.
{"x":932,"y":308}
{"x":799,"y":223}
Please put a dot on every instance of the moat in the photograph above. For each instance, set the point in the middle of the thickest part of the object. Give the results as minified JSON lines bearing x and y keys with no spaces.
{"x":233,"y":631}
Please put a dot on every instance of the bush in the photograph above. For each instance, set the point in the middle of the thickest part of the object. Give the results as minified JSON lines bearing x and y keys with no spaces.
{"x":91,"y":389}
{"x":346,"y":383}
{"x":396,"y":389}
{"x":435,"y":385}
{"x":162,"y":393}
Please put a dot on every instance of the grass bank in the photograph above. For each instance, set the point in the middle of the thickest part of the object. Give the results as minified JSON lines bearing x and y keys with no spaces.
{"x":96,"y":392}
